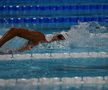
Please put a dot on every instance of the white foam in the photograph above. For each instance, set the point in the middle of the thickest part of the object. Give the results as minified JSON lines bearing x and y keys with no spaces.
{"x":54,"y":55}
{"x":80,"y":35}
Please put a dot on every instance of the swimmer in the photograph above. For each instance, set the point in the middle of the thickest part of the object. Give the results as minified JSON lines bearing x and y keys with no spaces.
{"x":34,"y":37}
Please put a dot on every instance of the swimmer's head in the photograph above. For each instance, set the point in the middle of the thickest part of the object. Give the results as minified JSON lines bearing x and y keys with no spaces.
{"x":60,"y":36}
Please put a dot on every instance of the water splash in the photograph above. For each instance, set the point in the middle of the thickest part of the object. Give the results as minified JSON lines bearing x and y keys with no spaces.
{"x":86,"y":34}
{"x":80,"y":35}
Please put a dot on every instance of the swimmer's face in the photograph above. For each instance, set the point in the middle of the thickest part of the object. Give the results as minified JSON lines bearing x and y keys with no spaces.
{"x":58,"y":37}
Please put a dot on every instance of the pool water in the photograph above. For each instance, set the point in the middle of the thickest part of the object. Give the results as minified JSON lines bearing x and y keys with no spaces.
{"x":62,"y":73}
{"x":53,"y":68}
{"x":80,"y":19}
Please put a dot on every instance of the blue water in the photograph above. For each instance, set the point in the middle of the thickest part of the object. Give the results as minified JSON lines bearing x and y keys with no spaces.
{"x":54,"y":68}
{"x":49,"y":16}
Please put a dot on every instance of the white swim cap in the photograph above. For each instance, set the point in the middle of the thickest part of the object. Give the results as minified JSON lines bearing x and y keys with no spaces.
{"x":65,"y":34}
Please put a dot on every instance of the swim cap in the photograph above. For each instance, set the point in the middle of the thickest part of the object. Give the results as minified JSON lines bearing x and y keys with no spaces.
{"x":65,"y":34}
